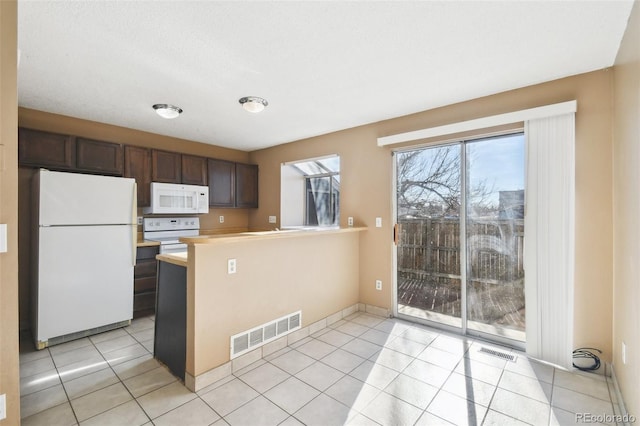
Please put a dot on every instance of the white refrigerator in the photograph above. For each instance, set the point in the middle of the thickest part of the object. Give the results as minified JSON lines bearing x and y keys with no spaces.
{"x":84,"y":251}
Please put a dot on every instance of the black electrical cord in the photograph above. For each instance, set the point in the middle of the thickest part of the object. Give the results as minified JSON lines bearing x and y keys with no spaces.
{"x":586,"y":353}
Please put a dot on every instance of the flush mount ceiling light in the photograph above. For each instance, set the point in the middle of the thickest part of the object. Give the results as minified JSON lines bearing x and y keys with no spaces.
{"x":167,"y":111}
{"x":253,"y":103}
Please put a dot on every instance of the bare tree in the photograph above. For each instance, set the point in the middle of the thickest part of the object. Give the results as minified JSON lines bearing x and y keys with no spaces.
{"x":427,"y":178}
{"x":429,"y":181}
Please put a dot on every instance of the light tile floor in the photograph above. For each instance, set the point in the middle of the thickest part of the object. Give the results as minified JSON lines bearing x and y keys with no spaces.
{"x":363,"y":370}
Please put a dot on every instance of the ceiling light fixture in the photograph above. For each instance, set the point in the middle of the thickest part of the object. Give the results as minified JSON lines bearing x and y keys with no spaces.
{"x":253,"y":103}
{"x":167,"y":111}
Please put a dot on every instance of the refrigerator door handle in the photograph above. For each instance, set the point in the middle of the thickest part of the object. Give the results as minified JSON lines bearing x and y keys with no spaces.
{"x":134,"y":223}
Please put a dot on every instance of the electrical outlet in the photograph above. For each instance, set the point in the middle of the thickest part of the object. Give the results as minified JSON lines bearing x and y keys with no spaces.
{"x":221,"y":219}
{"x":624,"y":353}
{"x":231,"y":266}
{"x":139,"y":220}
{"x":378,"y":222}
{"x":378,"y":284}
{"x":3,"y":406}
{"x":350,"y":221}
{"x":272,"y":219}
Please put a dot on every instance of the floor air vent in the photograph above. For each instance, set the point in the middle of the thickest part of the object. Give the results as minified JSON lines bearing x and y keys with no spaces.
{"x":498,"y":354}
{"x":258,"y":336}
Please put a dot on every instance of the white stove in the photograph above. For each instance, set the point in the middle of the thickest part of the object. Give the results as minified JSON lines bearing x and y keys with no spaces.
{"x":168,"y":230}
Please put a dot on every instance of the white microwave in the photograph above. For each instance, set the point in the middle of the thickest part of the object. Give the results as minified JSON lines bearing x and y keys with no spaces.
{"x":172,"y":198}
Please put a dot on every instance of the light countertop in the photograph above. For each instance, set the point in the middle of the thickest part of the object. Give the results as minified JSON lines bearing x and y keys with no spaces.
{"x":285,"y":233}
{"x":147,"y":243}
{"x":179,"y":259}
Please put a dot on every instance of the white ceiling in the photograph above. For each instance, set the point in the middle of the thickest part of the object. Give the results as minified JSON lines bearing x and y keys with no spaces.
{"x":323,"y":66}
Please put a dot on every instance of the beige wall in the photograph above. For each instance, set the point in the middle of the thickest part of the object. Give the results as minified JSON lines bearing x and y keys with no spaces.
{"x":9,"y":382}
{"x":366,"y":189}
{"x":233,"y":218}
{"x":320,"y":278}
{"x":626,"y":207}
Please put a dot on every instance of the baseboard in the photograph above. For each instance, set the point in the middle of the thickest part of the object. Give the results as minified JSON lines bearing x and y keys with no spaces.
{"x":626,"y":418}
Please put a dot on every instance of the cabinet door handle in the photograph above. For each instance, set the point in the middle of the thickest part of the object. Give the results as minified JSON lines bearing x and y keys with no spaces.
{"x":134,"y":222}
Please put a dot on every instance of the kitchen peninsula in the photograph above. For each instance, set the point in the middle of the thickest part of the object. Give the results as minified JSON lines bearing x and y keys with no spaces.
{"x":229,"y":285}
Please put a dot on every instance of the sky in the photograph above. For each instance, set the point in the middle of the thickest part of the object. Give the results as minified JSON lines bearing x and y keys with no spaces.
{"x":499,"y":161}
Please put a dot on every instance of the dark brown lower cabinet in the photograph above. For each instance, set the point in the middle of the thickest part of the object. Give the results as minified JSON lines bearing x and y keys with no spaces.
{"x":144,"y":281}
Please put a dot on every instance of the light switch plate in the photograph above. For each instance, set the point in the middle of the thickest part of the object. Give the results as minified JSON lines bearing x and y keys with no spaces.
{"x":3,"y":237}
{"x":378,"y":222}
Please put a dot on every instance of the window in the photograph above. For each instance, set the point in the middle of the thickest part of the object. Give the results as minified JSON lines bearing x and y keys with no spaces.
{"x":310,"y":192}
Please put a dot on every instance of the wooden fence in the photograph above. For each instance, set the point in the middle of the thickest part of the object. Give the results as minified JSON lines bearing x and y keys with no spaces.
{"x":432,"y":247}
{"x":429,"y":268}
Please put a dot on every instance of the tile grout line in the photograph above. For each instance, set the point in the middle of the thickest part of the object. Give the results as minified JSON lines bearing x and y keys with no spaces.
{"x":92,"y":344}
{"x":33,"y":375}
{"x":68,"y":401}
{"x":493,"y":396}
{"x":119,"y":381}
{"x":293,"y":375}
{"x":75,"y":416}
{"x":379,"y":391}
{"x":391,"y":338}
{"x":127,"y":388}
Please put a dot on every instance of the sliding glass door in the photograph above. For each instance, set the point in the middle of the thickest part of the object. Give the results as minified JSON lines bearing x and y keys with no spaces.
{"x":429,"y":202}
{"x":460,"y":210}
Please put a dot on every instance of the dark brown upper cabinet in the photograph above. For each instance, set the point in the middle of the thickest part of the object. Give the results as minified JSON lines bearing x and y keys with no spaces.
{"x":246,"y":185}
{"x":99,"y":157}
{"x":166,"y":166}
{"x":137,"y":165}
{"x":44,"y":149}
{"x":222,"y":178}
{"x":194,"y":170}
{"x":232,"y":185}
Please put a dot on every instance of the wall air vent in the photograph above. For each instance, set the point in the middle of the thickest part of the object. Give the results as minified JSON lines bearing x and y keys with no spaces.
{"x":262,"y":334}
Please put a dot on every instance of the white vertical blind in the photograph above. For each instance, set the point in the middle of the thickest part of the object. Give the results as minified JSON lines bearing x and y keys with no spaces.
{"x":549,"y":237}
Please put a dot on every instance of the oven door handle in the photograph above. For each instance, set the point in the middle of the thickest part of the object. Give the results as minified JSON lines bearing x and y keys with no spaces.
{"x":172,"y":248}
